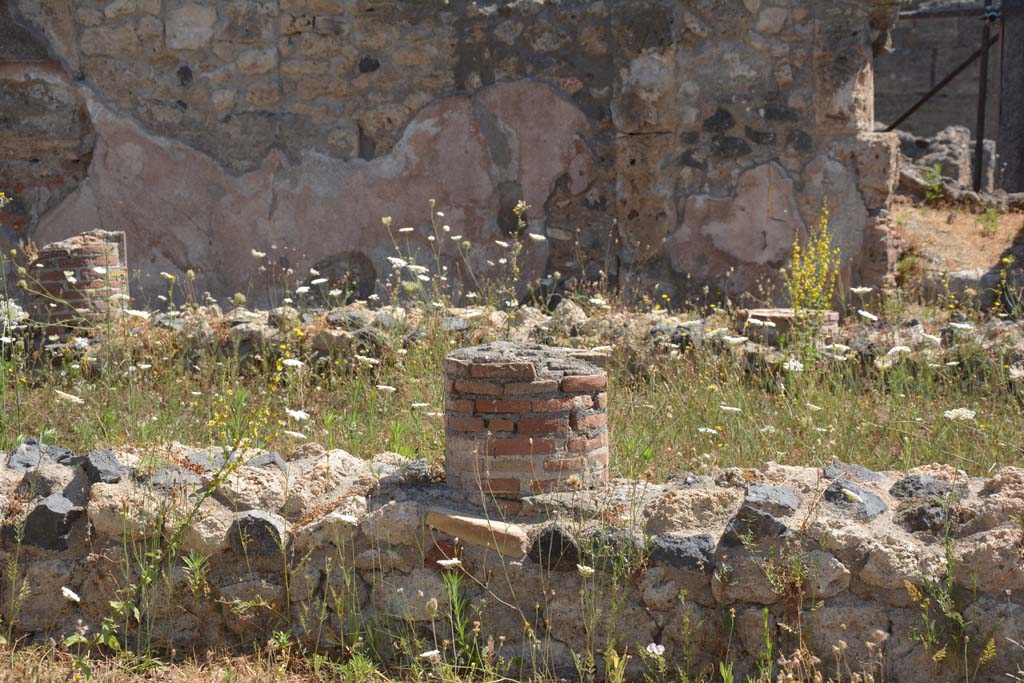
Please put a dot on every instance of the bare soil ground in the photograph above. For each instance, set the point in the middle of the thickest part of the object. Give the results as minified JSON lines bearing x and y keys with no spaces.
{"x":953,"y":239}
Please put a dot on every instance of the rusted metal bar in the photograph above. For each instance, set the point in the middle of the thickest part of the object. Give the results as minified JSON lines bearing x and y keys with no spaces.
{"x":944,"y":82}
{"x":950,"y":13}
{"x":979,"y":131}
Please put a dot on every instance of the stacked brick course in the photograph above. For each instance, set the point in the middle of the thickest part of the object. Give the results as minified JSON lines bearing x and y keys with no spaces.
{"x":523,"y":419}
{"x":79,"y":281}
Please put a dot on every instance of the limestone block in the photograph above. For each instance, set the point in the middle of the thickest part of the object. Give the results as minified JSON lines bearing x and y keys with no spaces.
{"x":396,"y":523}
{"x":257,"y":62}
{"x":123,"y":510}
{"x":115,"y":41}
{"x":190,"y":27}
{"x":120,"y":8}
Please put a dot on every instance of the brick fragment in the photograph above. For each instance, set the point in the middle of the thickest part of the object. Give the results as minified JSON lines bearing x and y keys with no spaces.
{"x":459,"y":405}
{"x":510,"y":464}
{"x":454,"y":367}
{"x":582,"y":444}
{"x":584,"y":402}
{"x":584,"y":382}
{"x":601,"y":401}
{"x":473,"y":386}
{"x":465,"y":424}
{"x":529,"y":425}
{"x":496,"y":406}
{"x":540,"y":386}
{"x":565,"y":464}
{"x":500,"y":487}
{"x":552,"y":405}
{"x":501,"y":425}
{"x":517,"y":371}
{"x":522,"y":445}
{"x":592,"y":421}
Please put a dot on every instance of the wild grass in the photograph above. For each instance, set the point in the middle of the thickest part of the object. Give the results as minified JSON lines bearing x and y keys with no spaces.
{"x":670,"y":411}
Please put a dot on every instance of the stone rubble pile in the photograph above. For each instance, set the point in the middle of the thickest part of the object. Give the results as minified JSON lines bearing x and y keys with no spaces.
{"x":320,"y":542}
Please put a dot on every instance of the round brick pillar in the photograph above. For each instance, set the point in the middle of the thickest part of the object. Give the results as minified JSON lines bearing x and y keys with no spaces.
{"x":522,"y":419}
{"x":78,"y":282}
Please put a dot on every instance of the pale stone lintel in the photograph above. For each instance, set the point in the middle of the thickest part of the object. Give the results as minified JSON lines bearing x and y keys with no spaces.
{"x":508,"y":539}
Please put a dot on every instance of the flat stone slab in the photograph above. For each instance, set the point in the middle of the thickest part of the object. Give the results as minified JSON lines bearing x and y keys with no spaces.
{"x":511,"y":540}
{"x":32,"y":453}
{"x":927,"y":486}
{"x":531,"y":361}
{"x":848,"y":497}
{"x":692,"y":553}
{"x":841,"y":470}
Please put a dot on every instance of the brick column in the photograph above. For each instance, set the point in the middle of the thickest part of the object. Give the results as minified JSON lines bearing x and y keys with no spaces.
{"x":524,"y":418}
{"x":78,"y":282}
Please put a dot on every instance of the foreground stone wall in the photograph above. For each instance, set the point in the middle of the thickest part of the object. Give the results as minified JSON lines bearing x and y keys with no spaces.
{"x":332,"y":547}
{"x":657,"y":142}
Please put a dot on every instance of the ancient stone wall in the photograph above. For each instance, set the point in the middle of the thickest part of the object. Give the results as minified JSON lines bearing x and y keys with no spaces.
{"x":658,"y":143}
{"x":332,"y":549}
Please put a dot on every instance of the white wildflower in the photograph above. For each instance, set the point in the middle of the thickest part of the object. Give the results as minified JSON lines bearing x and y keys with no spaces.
{"x":292,"y":362}
{"x":538,"y":238}
{"x":319,"y":281}
{"x":813,"y":408}
{"x":258,"y":254}
{"x":961,"y":326}
{"x":70,"y":398}
{"x":754,"y":322}
{"x":70,"y":594}
{"x":406,"y":229}
{"x":656,"y":649}
{"x":960,"y":414}
{"x":419,"y":405}
{"x":419,"y":270}
{"x":793,"y":365}
{"x":302,"y":290}
{"x":707,"y":430}
{"x":932,"y":338}
{"x":867,"y":316}
{"x":501,"y":243}
{"x":335,"y":293}
{"x":137,"y":314}
{"x":430,"y":654}
{"x":99,"y":270}
{"x":729,"y":409}
{"x":1016,"y":374}
{"x":294,"y":435}
{"x":862,"y":290}
{"x":733,"y":340}
{"x":297,"y":414}
{"x":386,"y":388}
{"x":450,"y":562}
{"x":897,"y":350}
{"x":397,"y":263}
{"x":366,"y":360}
{"x":584,"y":570}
